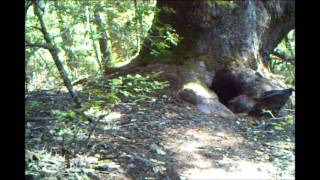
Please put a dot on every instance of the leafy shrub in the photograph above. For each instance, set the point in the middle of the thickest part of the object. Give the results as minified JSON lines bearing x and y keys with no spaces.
{"x":68,"y":126}
{"x":128,"y":88}
{"x":135,"y":87}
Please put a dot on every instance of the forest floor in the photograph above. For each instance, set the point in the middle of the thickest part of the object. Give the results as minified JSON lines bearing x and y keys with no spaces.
{"x":165,"y":138}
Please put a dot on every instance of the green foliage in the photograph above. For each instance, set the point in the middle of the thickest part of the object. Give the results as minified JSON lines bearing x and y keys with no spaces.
{"x":128,"y":88}
{"x":286,"y":121}
{"x":68,"y":126}
{"x":164,"y":37}
{"x":73,"y":30}
{"x":168,"y":39}
{"x":283,"y":68}
{"x":112,"y":97}
{"x":36,"y":104}
{"x":134,"y":87}
{"x":227,"y":4}
{"x":289,"y":120}
{"x":278,"y":126}
{"x":71,"y":125}
{"x":223,"y":4}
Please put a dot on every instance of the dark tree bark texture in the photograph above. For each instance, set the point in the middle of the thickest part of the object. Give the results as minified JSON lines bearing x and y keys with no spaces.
{"x":224,"y":50}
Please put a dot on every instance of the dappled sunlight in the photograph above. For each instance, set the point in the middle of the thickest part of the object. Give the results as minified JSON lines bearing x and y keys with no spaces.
{"x":159,"y":90}
{"x":237,"y":169}
{"x":240,"y":170}
{"x":198,"y":89}
{"x":198,"y":149}
{"x":113,"y":116}
{"x":133,"y":141}
{"x":204,"y":154}
{"x":189,"y":147}
{"x":81,"y":163}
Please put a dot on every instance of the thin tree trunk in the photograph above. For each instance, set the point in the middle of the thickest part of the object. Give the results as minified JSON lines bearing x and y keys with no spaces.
{"x":283,"y":57}
{"x":103,"y":40}
{"x":54,"y":53}
{"x":138,"y":25}
{"x":93,"y":40}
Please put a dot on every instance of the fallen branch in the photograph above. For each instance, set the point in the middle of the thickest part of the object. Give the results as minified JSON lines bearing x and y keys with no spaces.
{"x":39,"y":118}
{"x":283,"y":57}
{"x":39,"y":45}
{"x":277,"y":118}
{"x":94,"y":126}
{"x":291,"y":110}
{"x":80,"y":81}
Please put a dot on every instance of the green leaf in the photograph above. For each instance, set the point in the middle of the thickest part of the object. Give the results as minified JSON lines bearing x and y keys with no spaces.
{"x":278,"y":127}
{"x":289,"y":120}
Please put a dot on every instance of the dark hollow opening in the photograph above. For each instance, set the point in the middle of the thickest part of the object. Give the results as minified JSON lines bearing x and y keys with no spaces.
{"x":226,"y":88}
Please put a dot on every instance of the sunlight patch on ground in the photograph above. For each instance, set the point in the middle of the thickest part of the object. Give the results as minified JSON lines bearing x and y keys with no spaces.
{"x":190,"y":145}
{"x":53,"y":165}
{"x":199,"y":138}
{"x":238,"y":170}
{"x":198,"y":89}
{"x":193,"y":139}
{"x":201,"y":162}
{"x":221,"y":174}
{"x":113,"y":116}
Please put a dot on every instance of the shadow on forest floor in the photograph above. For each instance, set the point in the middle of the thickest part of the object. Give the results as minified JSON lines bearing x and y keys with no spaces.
{"x":160,"y":139}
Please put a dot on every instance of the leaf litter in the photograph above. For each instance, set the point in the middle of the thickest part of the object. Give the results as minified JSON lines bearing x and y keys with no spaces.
{"x":160,"y":139}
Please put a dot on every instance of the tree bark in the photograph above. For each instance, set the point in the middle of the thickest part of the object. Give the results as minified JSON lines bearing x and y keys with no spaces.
{"x":283,"y":57}
{"x":103,"y":39}
{"x":91,"y":33}
{"x":54,"y":53}
{"x":224,"y":50}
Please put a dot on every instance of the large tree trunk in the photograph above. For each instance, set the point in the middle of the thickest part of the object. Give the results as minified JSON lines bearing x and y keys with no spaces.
{"x":224,"y":50}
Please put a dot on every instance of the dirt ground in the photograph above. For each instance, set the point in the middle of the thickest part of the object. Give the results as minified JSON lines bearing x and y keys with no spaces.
{"x":164,"y":138}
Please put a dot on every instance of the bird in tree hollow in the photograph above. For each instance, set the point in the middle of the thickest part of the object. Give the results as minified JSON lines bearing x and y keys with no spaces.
{"x":272,"y":100}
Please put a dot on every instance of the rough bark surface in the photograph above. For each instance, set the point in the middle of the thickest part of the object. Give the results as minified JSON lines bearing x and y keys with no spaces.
{"x":224,"y":50}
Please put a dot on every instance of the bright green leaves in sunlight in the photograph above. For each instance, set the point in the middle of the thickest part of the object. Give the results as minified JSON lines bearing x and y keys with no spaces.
{"x":172,"y":37}
{"x":289,"y":120}
{"x":227,"y":4}
{"x":224,"y":4}
{"x":128,"y":88}
{"x":134,"y":87}
{"x":280,"y":122}
{"x":278,"y":126}
{"x":167,"y":39}
{"x":72,"y":28}
{"x":283,"y":59}
{"x":163,"y":36}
